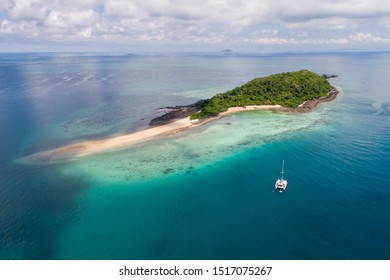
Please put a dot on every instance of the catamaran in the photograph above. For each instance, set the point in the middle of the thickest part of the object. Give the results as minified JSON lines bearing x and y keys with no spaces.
{"x":281,"y":184}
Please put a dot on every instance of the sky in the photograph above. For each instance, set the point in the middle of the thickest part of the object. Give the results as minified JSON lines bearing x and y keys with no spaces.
{"x":188,"y":25}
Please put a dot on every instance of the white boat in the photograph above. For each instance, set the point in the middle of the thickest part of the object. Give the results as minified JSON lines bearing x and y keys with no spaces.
{"x":281,"y":184}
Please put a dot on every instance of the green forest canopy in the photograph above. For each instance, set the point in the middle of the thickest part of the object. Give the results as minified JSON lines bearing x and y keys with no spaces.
{"x":286,"y":89}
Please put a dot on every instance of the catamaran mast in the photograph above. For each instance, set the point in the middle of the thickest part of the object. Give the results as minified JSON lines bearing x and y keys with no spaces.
{"x":282,"y":169}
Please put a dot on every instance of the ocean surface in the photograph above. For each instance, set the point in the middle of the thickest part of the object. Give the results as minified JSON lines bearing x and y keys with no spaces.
{"x":207,"y":193}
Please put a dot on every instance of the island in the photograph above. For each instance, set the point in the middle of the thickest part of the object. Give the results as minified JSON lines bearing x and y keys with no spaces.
{"x":299,"y":91}
{"x":285,"y":89}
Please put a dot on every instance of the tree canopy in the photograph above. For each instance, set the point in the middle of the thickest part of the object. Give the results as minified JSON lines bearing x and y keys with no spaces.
{"x":286,"y":89}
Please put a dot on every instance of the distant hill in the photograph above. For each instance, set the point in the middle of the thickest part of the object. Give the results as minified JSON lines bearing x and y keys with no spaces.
{"x":286,"y":89}
{"x":227,"y":51}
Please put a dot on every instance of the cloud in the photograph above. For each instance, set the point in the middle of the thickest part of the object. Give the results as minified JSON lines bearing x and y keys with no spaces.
{"x":307,"y":10}
{"x":328,"y":41}
{"x":368,"y":37}
{"x":5,"y":26}
{"x":29,"y":29}
{"x":333,"y":23}
{"x":70,"y":19}
{"x":5,"y":4}
{"x":120,"y":8}
{"x":29,"y":10}
{"x":270,"y":41}
{"x":267,"y":22}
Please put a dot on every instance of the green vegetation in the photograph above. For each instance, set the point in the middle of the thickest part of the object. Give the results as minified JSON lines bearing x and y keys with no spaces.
{"x":286,"y":89}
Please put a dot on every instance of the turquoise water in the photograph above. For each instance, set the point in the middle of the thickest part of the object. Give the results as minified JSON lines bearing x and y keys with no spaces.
{"x":203,"y":194}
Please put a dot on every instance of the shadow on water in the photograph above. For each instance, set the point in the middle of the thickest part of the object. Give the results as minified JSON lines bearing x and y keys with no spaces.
{"x":36,"y":203}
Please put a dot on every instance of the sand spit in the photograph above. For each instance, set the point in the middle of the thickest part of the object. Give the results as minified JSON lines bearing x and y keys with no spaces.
{"x":85,"y":148}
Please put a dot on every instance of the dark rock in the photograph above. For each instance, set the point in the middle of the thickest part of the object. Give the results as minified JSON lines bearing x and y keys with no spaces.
{"x":176,"y":113}
{"x":329,"y":76}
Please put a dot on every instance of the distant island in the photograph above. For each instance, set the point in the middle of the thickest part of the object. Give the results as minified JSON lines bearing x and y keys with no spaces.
{"x":299,"y":91}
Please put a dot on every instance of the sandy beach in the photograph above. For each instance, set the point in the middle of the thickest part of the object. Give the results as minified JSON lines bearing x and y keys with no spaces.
{"x":233,"y":110}
{"x":85,"y":148}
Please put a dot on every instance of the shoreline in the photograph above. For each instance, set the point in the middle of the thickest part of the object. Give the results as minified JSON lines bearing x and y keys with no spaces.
{"x":169,"y":126}
{"x":85,"y":148}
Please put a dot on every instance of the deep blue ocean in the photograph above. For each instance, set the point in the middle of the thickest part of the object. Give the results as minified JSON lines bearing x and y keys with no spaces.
{"x":207,"y":193}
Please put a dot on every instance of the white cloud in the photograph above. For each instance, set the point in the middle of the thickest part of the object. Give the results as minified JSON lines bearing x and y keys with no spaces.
{"x":305,"y":10}
{"x":269,"y":32}
{"x":333,"y":23}
{"x":85,"y":33}
{"x":28,"y":29}
{"x":4,"y":26}
{"x":368,"y":37}
{"x":268,"y":22}
{"x":361,"y":37}
{"x":270,"y":41}
{"x":28,"y":10}
{"x":120,"y":8}
{"x":5,"y":4}
{"x":329,"y":41}
{"x":70,"y":19}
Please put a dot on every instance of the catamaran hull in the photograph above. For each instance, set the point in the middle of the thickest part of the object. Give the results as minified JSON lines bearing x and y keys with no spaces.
{"x":281,"y":185}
